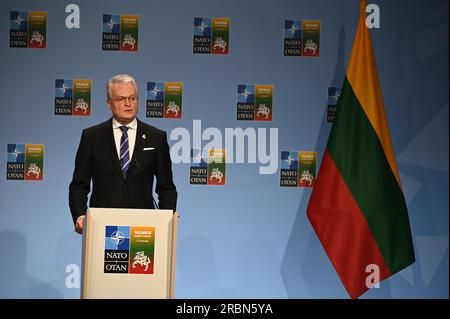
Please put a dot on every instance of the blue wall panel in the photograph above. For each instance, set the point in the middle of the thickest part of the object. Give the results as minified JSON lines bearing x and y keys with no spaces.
{"x":250,"y":238}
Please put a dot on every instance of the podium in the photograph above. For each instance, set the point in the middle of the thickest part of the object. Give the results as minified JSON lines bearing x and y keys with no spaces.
{"x":129,"y":253}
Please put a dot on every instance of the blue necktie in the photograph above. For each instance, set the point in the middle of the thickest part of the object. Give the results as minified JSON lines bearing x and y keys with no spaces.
{"x":124,"y":151}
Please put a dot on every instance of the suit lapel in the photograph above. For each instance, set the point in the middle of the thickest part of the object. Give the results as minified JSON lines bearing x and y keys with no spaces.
{"x":138,"y":144}
{"x":110,"y":144}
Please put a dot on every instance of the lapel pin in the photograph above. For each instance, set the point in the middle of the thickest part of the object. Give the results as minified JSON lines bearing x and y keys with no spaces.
{"x":143,"y":136}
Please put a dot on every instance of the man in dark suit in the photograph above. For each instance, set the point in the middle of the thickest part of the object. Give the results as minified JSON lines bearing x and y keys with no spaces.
{"x":121,"y":157}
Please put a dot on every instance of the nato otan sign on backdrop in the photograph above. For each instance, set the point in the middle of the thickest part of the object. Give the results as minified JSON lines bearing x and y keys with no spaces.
{"x":298,"y":169}
{"x":25,"y":162}
{"x":164,"y":100}
{"x":254,"y":102}
{"x":73,"y":97}
{"x":28,"y":29}
{"x":120,"y":32}
{"x":207,"y":167}
{"x":211,"y":35}
{"x":302,"y":38}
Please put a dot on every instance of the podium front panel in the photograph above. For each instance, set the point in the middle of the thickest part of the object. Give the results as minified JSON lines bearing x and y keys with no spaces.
{"x":127,"y":253}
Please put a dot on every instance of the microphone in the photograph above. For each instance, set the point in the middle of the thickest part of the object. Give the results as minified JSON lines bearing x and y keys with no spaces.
{"x":146,"y":183}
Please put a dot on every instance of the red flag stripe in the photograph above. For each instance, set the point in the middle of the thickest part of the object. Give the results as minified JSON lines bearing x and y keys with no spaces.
{"x":352,"y":248}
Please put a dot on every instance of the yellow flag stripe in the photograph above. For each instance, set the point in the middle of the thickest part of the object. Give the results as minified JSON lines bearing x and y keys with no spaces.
{"x":363,"y":77}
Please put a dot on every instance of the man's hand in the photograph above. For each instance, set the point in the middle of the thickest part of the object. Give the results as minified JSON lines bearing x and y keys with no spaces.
{"x":79,"y":225}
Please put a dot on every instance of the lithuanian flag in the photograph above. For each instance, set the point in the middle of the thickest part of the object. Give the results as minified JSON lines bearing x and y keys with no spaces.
{"x":357,"y":207}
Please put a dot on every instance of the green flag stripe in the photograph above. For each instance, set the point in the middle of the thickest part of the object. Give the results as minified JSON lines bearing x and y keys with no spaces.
{"x":359,"y":157}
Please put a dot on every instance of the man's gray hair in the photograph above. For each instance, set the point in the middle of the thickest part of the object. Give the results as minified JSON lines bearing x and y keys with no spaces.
{"x":121,"y":78}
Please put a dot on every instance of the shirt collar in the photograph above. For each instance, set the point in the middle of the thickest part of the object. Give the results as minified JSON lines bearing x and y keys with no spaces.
{"x":132,"y":125}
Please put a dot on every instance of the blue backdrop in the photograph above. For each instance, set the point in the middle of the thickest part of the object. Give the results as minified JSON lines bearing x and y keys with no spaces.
{"x":250,"y":238}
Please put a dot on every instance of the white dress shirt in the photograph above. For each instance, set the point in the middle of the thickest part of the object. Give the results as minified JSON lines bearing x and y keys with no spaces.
{"x":132,"y":130}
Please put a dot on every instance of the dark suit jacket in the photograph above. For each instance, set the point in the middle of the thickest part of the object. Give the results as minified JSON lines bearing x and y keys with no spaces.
{"x":97,"y":160}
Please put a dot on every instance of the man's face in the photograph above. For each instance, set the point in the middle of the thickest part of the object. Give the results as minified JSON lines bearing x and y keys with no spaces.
{"x":123,"y":102}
